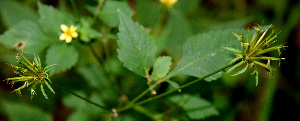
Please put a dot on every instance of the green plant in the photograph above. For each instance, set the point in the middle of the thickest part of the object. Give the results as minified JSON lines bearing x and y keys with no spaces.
{"x":122,"y":62}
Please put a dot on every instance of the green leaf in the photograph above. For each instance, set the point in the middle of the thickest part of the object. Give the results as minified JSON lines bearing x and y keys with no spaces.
{"x":109,"y":13}
{"x":86,"y":31}
{"x":174,"y":84}
{"x":84,"y":111}
{"x":161,"y":67}
{"x":23,"y":112}
{"x":137,"y":48}
{"x":62,"y":54}
{"x":93,"y":75}
{"x":51,"y":19}
{"x":204,"y":53}
{"x":25,"y":36}
{"x":13,"y":12}
{"x":195,"y":107}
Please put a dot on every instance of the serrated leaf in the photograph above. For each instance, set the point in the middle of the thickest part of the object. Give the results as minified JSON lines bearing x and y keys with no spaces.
{"x":109,"y":13}
{"x":161,"y":67}
{"x":51,"y":19}
{"x":62,"y":54}
{"x":174,"y":85}
{"x":25,"y":36}
{"x":13,"y":12}
{"x":195,"y":107}
{"x":137,"y":48}
{"x":23,"y":112}
{"x":204,"y":53}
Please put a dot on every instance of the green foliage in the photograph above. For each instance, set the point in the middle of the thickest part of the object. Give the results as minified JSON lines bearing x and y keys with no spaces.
{"x":51,"y":19}
{"x":126,"y":54}
{"x":137,"y":48}
{"x":24,"y":112}
{"x":87,"y":33}
{"x":174,"y":85}
{"x":83,"y":110}
{"x":204,"y":53}
{"x":62,"y":54}
{"x":161,"y":67}
{"x":13,"y":12}
{"x":109,"y":13}
{"x":176,"y":34}
{"x":26,"y":36}
{"x":195,"y":107}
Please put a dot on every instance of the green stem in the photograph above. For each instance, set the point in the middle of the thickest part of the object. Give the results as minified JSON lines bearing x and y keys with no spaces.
{"x":74,"y":8}
{"x":145,"y":112}
{"x":100,"y":3}
{"x":267,"y":98}
{"x":133,"y":104}
{"x":98,"y":59}
{"x":158,"y":26}
{"x":85,"y":99}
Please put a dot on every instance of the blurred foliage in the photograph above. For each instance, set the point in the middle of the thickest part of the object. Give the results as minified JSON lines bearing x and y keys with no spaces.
{"x":92,"y":65}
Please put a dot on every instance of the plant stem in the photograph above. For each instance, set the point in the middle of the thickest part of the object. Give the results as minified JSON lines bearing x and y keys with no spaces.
{"x":98,"y":59}
{"x":74,"y":8}
{"x":159,"y":24}
{"x":133,"y":104}
{"x":100,"y":4}
{"x":83,"y":98}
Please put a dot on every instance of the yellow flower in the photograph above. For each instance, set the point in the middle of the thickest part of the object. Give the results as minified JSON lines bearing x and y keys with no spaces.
{"x":68,"y":34}
{"x":168,"y":3}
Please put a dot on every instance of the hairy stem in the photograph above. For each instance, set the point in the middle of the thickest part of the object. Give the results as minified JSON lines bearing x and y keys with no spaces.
{"x":133,"y":104}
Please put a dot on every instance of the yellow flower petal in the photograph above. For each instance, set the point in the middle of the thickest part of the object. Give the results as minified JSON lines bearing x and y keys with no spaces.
{"x":64,"y":28}
{"x":74,"y":34}
{"x":73,"y":28}
{"x":168,"y":3}
{"x":63,"y":36}
{"x":69,"y":39}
